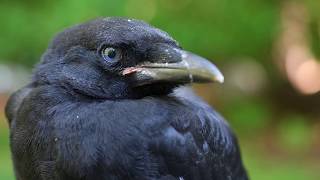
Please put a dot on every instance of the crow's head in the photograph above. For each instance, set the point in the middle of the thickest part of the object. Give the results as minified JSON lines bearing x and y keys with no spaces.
{"x":120,"y":58}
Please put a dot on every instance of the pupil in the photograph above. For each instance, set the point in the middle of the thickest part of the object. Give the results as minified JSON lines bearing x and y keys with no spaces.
{"x":111,"y":53}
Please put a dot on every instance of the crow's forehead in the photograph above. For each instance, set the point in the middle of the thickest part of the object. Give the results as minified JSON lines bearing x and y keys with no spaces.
{"x":109,"y":30}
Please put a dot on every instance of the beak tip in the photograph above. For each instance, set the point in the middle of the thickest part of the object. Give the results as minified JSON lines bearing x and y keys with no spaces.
{"x":220,"y":79}
{"x":216,"y":74}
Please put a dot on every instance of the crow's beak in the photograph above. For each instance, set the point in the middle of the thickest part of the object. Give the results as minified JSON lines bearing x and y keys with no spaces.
{"x":180,"y":67}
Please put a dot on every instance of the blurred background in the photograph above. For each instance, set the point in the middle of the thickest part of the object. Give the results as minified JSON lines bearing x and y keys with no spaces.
{"x":268,"y":50}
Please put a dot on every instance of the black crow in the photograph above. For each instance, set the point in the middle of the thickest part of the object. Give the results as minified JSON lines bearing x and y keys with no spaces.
{"x":105,"y":104}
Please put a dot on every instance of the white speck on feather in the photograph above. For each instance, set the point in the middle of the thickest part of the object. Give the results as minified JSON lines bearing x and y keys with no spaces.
{"x":77,"y":117}
{"x":181,"y":178}
{"x":56,"y":139}
{"x":205,"y":147}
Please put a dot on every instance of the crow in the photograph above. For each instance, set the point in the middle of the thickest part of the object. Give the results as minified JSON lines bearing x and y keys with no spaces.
{"x":109,"y":100}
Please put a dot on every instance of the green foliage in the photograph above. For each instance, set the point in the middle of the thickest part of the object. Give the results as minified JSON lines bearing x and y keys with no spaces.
{"x":295,"y":133}
{"x":267,"y":167}
{"x":249,"y":116}
{"x":314,"y":37}
{"x":6,"y":171}
{"x":213,"y":28}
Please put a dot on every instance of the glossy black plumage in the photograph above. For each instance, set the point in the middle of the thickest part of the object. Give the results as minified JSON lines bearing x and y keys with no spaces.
{"x":79,"y":119}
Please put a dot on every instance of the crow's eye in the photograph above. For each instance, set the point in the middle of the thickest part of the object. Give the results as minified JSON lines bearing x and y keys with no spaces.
{"x":111,"y":54}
